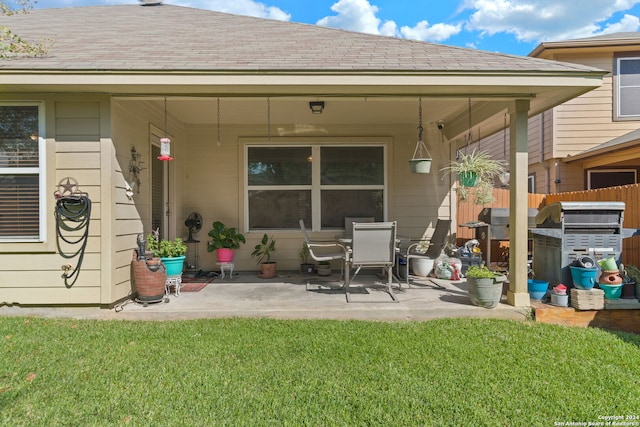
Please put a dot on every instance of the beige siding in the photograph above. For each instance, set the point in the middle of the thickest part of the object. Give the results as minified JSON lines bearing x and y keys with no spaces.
{"x":215,"y":175}
{"x":79,"y":129}
{"x":73,"y":126}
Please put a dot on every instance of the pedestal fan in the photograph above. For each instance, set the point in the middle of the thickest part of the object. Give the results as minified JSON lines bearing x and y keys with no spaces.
{"x":193,"y":223}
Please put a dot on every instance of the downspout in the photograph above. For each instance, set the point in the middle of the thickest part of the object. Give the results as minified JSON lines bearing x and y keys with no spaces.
{"x":542,"y":161}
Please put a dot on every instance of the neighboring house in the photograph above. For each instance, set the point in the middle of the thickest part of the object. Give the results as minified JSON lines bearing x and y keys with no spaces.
{"x":232,"y":93}
{"x":591,"y":141}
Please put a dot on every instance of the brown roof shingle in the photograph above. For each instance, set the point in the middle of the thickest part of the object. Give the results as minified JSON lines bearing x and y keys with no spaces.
{"x":173,"y":38}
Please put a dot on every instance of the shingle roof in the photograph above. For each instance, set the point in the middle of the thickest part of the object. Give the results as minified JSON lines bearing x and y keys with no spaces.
{"x":622,"y":40}
{"x":173,"y":38}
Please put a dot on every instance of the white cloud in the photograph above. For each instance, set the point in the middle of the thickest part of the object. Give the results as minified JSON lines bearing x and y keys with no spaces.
{"x":354,"y":15}
{"x":361,"y":16}
{"x":627,"y":23}
{"x":238,"y":7}
{"x":436,"y":33}
{"x":542,"y":20}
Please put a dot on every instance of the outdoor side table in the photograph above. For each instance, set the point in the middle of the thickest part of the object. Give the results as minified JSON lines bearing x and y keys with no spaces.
{"x":228,"y":266}
{"x":175,"y":281}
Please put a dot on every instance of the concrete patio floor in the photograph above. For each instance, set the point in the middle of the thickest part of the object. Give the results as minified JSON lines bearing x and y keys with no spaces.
{"x":287,"y":297}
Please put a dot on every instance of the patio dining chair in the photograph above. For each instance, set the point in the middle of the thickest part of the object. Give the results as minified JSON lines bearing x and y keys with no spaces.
{"x":326,"y":250}
{"x":348,"y":223}
{"x":373,"y":246}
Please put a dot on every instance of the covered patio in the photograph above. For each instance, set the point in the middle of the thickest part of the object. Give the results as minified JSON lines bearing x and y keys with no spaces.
{"x":231,"y":90}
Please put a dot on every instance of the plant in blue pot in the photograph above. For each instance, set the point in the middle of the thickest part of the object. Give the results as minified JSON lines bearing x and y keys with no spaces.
{"x":172,"y":253}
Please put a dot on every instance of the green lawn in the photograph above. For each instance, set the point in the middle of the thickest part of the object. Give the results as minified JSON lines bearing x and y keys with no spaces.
{"x":249,"y":372}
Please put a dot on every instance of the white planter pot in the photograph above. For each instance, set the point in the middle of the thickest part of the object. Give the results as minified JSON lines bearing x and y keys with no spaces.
{"x":422,"y":266}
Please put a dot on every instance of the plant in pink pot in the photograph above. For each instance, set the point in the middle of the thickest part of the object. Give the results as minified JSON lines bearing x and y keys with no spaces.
{"x":224,"y":240}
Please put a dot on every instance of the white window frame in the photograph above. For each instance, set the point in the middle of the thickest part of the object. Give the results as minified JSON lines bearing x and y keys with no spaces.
{"x":618,"y":115}
{"x":41,"y":171}
{"x":315,"y":187}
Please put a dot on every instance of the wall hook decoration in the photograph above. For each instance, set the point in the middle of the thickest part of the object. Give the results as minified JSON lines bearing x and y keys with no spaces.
{"x":135,"y":167}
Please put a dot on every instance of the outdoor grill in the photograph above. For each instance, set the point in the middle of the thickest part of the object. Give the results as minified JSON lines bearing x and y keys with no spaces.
{"x":493,"y":225}
{"x":498,"y":220}
{"x":567,"y":231}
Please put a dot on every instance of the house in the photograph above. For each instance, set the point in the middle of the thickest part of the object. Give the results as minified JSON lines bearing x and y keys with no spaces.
{"x":233,"y":95}
{"x":591,"y":141}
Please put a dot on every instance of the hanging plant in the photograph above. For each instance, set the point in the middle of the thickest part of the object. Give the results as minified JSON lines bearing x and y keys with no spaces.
{"x":478,"y":170}
{"x":421,"y":160}
{"x":477,"y":163}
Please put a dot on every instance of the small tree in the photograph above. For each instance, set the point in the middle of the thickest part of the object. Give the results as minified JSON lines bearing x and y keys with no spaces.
{"x":12,"y":44}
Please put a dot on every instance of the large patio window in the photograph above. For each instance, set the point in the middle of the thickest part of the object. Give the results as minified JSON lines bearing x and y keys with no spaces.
{"x":21,"y":174}
{"x":321,"y":184}
{"x":627,"y":88}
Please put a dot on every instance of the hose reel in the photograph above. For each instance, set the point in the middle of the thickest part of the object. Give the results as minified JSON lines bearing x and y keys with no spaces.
{"x":72,"y":214}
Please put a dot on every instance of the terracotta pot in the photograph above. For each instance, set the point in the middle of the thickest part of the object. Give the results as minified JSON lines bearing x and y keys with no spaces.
{"x":268,"y":270}
{"x":148,"y":282}
{"x":610,"y":277}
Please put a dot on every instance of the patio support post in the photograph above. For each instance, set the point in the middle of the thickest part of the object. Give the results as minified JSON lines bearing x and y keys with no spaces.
{"x":518,"y":204}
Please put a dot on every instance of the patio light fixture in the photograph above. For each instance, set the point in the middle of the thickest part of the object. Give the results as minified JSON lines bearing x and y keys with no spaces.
{"x":317,"y":107}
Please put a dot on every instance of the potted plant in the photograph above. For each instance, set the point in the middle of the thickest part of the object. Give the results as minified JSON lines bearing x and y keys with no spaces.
{"x":224,"y":240}
{"x":630,"y":280}
{"x":324,"y":268}
{"x":485,"y":286}
{"x":172,"y":253}
{"x":476,"y":169}
{"x":262,"y":253}
{"x":305,"y":266}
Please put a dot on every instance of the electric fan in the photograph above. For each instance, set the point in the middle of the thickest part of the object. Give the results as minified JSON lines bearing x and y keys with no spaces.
{"x":193,"y":223}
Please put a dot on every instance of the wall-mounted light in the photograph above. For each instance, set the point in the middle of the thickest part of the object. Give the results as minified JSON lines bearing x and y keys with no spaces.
{"x":316,"y":107}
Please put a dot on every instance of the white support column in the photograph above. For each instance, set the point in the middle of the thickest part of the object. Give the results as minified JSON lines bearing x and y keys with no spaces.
{"x":518,"y":202}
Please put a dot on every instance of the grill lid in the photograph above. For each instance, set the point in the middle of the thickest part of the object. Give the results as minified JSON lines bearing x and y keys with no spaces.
{"x":596,"y":214}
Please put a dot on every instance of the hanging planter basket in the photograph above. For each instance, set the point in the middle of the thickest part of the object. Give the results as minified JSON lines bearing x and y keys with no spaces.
{"x":421,"y":160}
{"x":468,"y":179}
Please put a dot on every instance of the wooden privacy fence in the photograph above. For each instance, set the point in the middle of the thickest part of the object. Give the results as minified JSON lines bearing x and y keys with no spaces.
{"x":629,"y":194}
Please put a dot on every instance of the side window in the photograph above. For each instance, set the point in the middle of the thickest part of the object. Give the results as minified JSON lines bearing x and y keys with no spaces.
{"x":627,"y":88}
{"x":21,"y":172}
{"x":602,"y":178}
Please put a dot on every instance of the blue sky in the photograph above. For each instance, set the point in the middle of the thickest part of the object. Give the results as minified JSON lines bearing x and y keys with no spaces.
{"x":507,"y":26}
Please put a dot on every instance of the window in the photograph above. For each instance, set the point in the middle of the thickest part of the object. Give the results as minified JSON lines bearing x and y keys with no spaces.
{"x":21,"y":172}
{"x":601,"y":178}
{"x":627,"y":88}
{"x":531,"y":183}
{"x":321,"y":184}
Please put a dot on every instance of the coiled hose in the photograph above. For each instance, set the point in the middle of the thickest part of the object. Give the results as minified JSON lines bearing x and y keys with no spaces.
{"x":72,"y":215}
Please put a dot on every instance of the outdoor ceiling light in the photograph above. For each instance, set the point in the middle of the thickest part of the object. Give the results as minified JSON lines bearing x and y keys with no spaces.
{"x":316,"y":107}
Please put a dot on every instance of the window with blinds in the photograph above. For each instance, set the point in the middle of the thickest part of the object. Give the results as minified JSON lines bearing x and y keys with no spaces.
{"x":19,"y":172}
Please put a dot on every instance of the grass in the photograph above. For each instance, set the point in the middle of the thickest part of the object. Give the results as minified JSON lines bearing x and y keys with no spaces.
{"x":250,"y":372}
